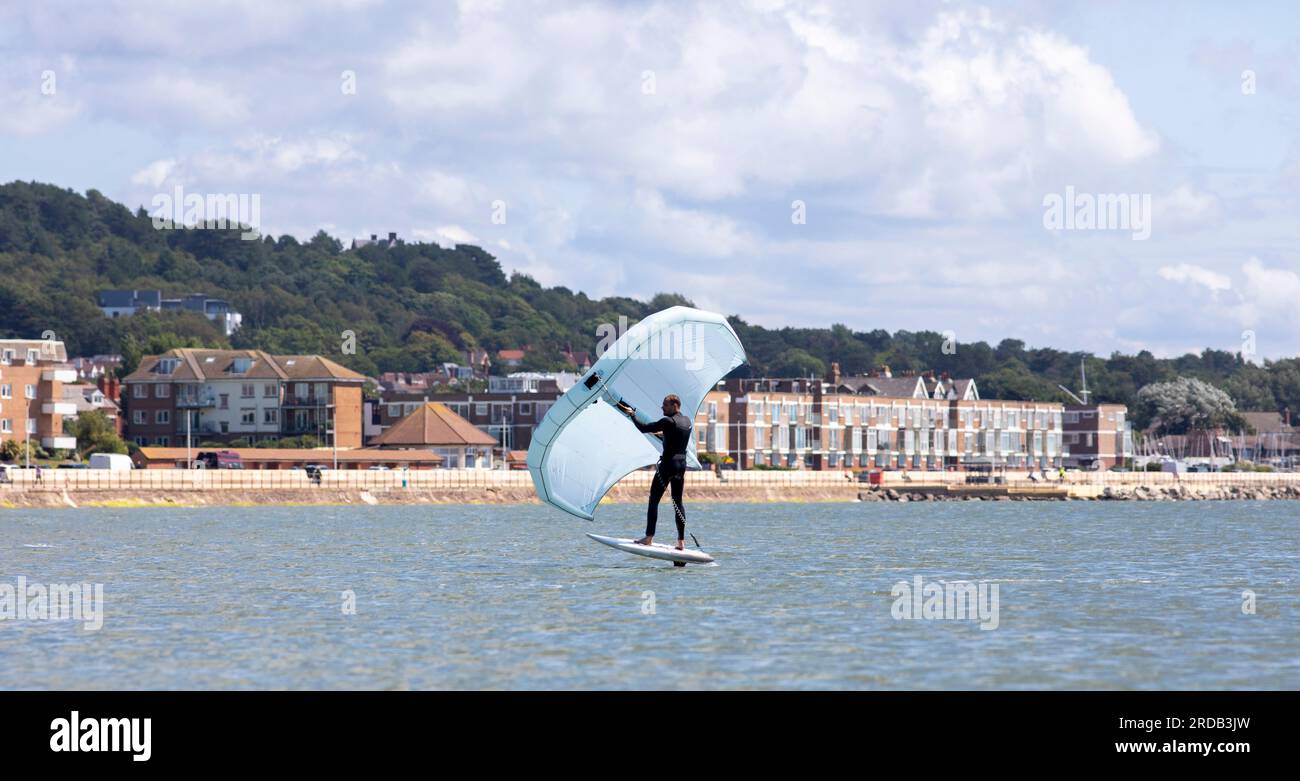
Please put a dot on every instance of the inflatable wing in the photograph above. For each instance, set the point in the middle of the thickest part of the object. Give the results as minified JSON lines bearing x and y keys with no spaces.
{"x":584,"y":445}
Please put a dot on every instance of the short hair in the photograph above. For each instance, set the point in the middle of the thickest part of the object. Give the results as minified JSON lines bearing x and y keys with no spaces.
{"x":672,"y":399}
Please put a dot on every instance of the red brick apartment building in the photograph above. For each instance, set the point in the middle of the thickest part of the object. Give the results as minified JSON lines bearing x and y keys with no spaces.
{"x":32,"y":406}
{"x":1097,"y":435}
{"x":223,"y":395}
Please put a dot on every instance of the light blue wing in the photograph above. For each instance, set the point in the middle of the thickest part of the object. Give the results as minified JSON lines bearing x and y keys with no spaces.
{"x":584,"y":445}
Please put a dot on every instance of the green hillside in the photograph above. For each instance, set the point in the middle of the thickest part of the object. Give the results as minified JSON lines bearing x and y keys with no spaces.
{"x":416,"y":305}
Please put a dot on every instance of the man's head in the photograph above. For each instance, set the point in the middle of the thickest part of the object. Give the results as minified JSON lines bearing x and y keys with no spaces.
{"x":672,"y":404}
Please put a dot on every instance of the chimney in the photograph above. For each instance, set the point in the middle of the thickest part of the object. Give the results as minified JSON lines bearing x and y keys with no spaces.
{"x":392,"y":237}
{"x":109,"y":386}
{"x":1286,"y":416}
{"x":944,"y":376}
{"x":928,"y":374}
{"x":884,"y":371}
{"x":835,"y":373}
{"x":374,"y":237}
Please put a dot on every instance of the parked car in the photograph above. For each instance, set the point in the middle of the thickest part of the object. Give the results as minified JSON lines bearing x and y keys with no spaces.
{"x":379,"y":468}
{"x":74,"y":465}
{"x":219,"y":459}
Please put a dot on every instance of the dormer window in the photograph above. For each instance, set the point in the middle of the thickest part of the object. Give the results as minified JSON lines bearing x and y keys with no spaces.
{"x":167,"y":365}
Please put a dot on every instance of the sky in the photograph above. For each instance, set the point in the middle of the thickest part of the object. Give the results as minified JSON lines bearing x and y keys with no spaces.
{"x":881,"y":165}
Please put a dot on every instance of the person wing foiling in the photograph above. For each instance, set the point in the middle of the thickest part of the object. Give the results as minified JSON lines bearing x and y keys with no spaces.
{"x":670,"y":473}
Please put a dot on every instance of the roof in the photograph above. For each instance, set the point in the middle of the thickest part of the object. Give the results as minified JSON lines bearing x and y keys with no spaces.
{"x":893,"y":387}
{"x":306,"y":455}
{"x":50,"y":351}
{"x":199,"y":365}
{"x":1267,"y":423}
{"x":510,"y":355}
{"x":432,"y":425}
{"x":314,"y":367}
{"x":125,"y":299}
{"x":963,"y":388}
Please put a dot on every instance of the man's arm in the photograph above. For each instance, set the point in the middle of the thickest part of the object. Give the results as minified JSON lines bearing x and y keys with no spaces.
{"x":657,"y":427}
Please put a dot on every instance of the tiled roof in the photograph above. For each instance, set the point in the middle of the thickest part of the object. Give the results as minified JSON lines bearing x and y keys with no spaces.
{"x":48,"y":351}
{"x":432,"y":425}
{"x":199,"y":365}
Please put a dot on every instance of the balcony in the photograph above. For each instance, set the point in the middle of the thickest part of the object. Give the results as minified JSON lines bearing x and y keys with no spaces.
{"x":59,"y":443}
{"x":306,"y":401}
{"x":58,"y":408}
{"x":187,"y":401}
{"x":59,"y":375}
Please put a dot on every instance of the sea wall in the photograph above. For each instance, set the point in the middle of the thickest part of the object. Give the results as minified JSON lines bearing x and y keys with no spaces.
{"x":87,"y":488}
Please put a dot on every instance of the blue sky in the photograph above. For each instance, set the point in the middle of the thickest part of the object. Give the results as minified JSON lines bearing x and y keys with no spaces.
{"x":642,"y":147}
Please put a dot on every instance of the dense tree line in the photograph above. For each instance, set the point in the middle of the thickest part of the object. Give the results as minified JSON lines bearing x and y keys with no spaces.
{"x":416,"y":305}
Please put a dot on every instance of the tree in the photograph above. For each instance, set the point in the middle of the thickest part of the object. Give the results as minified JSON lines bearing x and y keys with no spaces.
{"x":1186,"y":404}
{"x":94,"y":433}
{"x":797,"y":363}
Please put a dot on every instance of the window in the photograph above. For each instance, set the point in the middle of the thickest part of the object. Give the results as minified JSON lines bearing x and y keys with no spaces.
{"x":31,"y":425}
{"x":140,"y":391}
{"x":270,"y":390}
{"x":525,"y":408}
{"x":162,"y":417}
{"x":162,"y":441}
{"x":7,"y":357}
{"x":394,"y":410}
{"x":480,"y":410}
{"x":322,"y":392}
{"x":248,"y":416}
{"x":247,"y":390}
{"x":6,"y":392}
{"x":32,"y":355}
{"x":6,"y":426}
{"x":161,"y":391}
{"x":29,"y":391}
{"x":225,"y":401}
{"x":271,"y":416}
{"x":138,"y":417}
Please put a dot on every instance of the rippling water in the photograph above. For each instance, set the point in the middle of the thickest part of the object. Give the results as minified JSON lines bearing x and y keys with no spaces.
{"x":1091,"y":595}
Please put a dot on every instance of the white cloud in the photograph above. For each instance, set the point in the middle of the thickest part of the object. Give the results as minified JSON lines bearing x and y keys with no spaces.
{"x":1196,"y":275}
{"x":445,"y":235}
{"x":154,"y":174}
{"x":922,"y":138}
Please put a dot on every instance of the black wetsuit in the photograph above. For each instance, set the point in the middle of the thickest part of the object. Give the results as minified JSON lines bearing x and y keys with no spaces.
{"x":671,"y":470}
